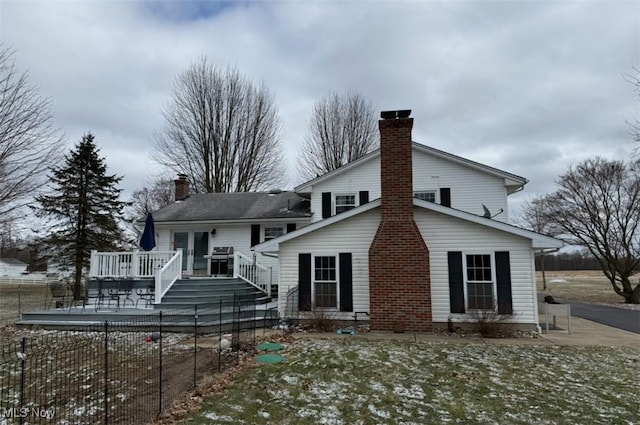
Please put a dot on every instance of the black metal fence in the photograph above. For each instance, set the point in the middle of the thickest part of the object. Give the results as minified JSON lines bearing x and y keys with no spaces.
{"x":121,"y":372}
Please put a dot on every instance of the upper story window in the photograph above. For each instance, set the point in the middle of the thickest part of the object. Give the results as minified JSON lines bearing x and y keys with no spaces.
{"x":272,"y":232}
{"x":425,"y":195}
{"x":345,"y":203}
{"x":479,"y":276}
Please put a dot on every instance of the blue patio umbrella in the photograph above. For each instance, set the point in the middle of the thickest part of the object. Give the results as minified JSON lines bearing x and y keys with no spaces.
{"x":148,"y":239}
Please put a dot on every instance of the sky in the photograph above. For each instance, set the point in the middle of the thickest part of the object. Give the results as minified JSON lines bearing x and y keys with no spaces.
{"x":529,"y":87}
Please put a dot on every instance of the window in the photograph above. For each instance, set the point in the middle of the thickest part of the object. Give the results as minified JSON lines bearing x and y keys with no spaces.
{"x":325,"y":282}
{"x":272,"y":233}
{"x":345,"y":203}
{"x":426,"y":195}
{"x":479,"y":282}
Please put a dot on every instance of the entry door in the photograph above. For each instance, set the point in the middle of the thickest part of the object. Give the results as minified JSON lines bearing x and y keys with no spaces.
{"x":195,"y":245}
{"x":200,"y":249}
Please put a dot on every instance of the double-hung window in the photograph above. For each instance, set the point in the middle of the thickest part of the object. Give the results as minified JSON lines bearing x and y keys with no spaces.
{"x":325,"y":282}
{"x":345,"y":203}
{"x":479,"y":274}
{"x":272,"y":232}
{"x":425,"y":195}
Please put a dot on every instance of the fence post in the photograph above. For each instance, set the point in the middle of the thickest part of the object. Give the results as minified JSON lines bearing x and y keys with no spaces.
{"x":19,"y":300}
{"x":219,"y":334}
{"x":106,"y":372}
{"x":160,"y":366}
{"x":23,"y":357}
{"x":195,"y":344}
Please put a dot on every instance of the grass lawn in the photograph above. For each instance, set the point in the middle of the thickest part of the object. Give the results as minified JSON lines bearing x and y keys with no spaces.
{"x":15,"y":298}
{"x":580,"y":285}
{"x":357,"y":381}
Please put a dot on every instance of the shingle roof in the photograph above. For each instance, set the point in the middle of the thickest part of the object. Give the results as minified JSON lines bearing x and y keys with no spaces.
{"x":235,"y":206}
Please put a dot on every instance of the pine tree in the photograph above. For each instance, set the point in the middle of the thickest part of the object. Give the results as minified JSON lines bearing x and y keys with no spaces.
{"x":84,"y":208}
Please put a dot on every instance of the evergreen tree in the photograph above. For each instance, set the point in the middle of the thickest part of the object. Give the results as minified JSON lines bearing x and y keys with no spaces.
{"x":84,"y":208}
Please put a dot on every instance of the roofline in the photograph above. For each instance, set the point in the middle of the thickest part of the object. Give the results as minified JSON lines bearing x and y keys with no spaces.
{"x":538,"y":241}
{"x":266,"y":246}
{"x":232,"y":221}
{"x":518,"y":180}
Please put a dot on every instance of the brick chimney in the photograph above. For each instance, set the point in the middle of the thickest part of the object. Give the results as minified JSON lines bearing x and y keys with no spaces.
{"x":399,"y":272}
{"x":182,"y":187}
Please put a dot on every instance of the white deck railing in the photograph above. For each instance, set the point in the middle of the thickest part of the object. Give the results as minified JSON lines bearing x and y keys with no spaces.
{"x":134,"y":264}
{"x":167,"y":275}
{"x":253,"y":273}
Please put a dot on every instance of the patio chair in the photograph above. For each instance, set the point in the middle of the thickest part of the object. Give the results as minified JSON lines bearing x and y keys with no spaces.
{"x":146,"y":294}
{"x":59,"y":292}
{"x":125,"y":289}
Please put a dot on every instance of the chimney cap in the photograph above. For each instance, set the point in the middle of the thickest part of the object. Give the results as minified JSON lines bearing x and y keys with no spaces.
{"x":182,"y":176}
{"x":390,"y":115}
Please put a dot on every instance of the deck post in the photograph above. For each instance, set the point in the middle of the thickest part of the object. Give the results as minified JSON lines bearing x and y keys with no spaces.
{"x":135,"y":264}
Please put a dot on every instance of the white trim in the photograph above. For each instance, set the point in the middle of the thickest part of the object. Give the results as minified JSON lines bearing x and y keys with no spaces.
{"x":335,"y":202}
{"x":538,"y":241}
{"x":509,"y":178}
{"x":274,"y":244}
{"x":313,"y":281}
{"x":233,"y":221}
{"x":494,"y":283}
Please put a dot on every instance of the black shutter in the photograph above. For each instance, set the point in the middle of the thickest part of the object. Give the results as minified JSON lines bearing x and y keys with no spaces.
{"x":291,"y":227}
{"x":304,"y":282}
{"x":326,"y":204}
{"x":255,"y":234}
{"x":346,"y":282}
{"x":456,"y":282}
{"x":445,"y":196}
{"x":503,"y":282}
{"x":364,"y":197}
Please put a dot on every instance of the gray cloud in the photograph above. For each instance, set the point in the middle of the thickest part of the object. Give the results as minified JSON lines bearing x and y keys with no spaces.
{"x":528,"y":87}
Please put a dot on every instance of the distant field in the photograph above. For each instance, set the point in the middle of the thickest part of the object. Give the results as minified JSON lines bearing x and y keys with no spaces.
{"x":581,"y":285}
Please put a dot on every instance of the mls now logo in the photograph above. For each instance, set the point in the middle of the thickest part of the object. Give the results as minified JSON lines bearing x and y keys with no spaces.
{"x":24,"y":412}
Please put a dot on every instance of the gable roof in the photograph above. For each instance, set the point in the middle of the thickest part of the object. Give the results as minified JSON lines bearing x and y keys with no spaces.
{"x":510,"y":179}
{"x":538,"y":241}
{"x":235,"y":206}
{"x":12,"y":262}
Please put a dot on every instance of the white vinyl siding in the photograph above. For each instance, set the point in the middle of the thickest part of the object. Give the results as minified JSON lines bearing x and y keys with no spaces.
{"x":354,"y":236}
{"x":237,"y":236}
{"x":443,"y":233}
{"x":470,"y":188}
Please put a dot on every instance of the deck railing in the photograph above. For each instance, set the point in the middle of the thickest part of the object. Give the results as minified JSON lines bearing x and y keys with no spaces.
{"x":134,"y":264}
{"x":167,"y":275}
{"x":253,"y":273}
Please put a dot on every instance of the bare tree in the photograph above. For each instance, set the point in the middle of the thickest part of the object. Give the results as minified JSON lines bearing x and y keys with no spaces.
{"x":156,"y":195}
{"x":341,"y":129}
{"x":532,"y":216}
{"x":598,"y":206}
{"x":28,"y":141}
{"x":222,"y":131}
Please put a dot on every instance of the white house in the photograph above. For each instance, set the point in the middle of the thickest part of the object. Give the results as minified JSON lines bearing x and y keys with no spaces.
{"x":212,"y":224}
{"x":12,"y":267}
{"x":402,"y":235}
{"x":408,"y":234}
